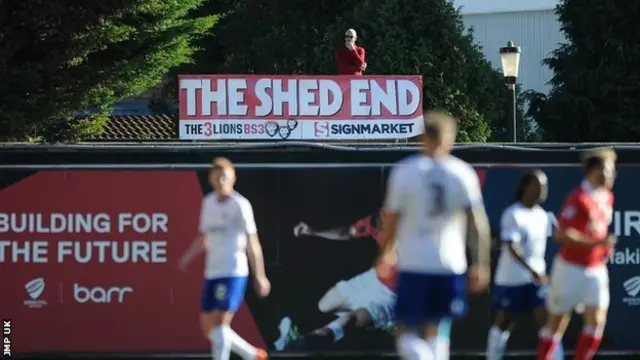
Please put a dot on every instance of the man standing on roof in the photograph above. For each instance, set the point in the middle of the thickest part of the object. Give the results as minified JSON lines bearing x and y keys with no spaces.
{"x":350,"y":57}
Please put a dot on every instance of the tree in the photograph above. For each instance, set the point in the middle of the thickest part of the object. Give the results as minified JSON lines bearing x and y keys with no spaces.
{"x":401,"y":37}
{"x":278,"y":36}
{"x":430,"y":39}
{"x":527,"y":129}
{"x":63,"y":64}
{"x":595,"y":88}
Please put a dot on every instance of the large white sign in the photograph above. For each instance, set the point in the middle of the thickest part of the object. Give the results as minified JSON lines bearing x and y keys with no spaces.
{"x":299,"y":107}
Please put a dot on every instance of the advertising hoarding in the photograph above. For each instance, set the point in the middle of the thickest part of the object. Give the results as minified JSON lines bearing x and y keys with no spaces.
{"x":261,"y":107}
{"x":102,"y":247}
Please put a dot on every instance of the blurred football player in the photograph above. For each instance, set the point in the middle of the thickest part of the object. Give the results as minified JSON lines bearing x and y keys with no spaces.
{"x":520,"y":279}
{"x":433,"y":206}
{"x":579,"y":274}
{"x":229,"y":235}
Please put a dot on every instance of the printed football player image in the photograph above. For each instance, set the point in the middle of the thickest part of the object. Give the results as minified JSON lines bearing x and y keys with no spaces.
{"x":363,"y":301}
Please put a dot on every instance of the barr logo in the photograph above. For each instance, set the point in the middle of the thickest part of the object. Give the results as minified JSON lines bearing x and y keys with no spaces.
{"x":100,"y":295}
{"x":632,"y":286}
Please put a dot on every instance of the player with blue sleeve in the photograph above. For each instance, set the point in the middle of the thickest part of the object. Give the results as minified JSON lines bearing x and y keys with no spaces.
{"x":520,"y":279}
{"x":433,"y":208}
{"x":229,"y":236}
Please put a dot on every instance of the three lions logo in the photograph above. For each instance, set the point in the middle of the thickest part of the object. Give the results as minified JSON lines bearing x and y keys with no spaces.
{"x":284,"y":131}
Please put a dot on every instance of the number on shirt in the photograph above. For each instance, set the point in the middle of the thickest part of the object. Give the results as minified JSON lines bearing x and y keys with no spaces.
{"x":437,"y":201}
{"x":220,"y":292}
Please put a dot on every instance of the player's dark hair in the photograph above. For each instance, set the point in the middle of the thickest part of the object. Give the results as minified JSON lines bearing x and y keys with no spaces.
{"x":525,"y":180}
{"x":595,"y":159}
{"x":593,"y":163}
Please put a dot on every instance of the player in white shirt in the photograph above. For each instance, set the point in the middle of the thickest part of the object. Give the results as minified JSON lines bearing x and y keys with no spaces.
{"x":229,"y":236}
{"x":520,"y":277}
{"x":433,"y":207}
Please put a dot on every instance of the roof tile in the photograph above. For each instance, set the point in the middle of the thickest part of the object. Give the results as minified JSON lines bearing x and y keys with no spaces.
{"x":140,"y":127}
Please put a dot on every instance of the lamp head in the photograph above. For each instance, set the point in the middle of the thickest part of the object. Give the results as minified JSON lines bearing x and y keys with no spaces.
{"x":510,"y":59}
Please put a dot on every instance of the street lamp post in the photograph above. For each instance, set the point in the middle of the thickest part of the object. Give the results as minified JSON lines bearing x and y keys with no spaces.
{"x":510,"y":59}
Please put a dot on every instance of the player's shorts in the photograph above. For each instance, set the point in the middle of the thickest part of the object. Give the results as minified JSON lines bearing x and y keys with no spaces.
{"x":573,"y":285}
{"x":518,"y":298}
{"x":225,"y":294}
{"x":426,"y":298}
{"x":366,"y":291}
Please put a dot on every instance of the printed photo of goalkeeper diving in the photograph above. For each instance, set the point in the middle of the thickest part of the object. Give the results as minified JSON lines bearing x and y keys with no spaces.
{"x":364,"y":301}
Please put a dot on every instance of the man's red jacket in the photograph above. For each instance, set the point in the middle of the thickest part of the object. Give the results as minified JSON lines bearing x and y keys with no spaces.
{"x":350,"y":61}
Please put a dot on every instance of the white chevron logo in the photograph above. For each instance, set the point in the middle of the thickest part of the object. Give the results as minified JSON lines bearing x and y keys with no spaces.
{"x":632,"y":286}
{"x":35,"y":288}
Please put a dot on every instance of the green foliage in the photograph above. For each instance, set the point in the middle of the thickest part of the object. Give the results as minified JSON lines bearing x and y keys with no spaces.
{"x":401,"y":37}
{"x":59,"y":57}
{"x":596,"y":83}
{"x":527,"y":130}
{"x":278,"y":37}
{"x":435,"y":45}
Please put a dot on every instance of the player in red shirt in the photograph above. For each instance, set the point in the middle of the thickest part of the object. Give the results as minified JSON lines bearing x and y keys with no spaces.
{"x":579,"y":275}
{"x":363,"y":301}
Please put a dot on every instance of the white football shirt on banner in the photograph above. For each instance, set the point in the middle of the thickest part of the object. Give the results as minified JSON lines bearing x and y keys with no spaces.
{"x":226,"y":226}
{"x":431,"y":196}
{"x":526,"y":227}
